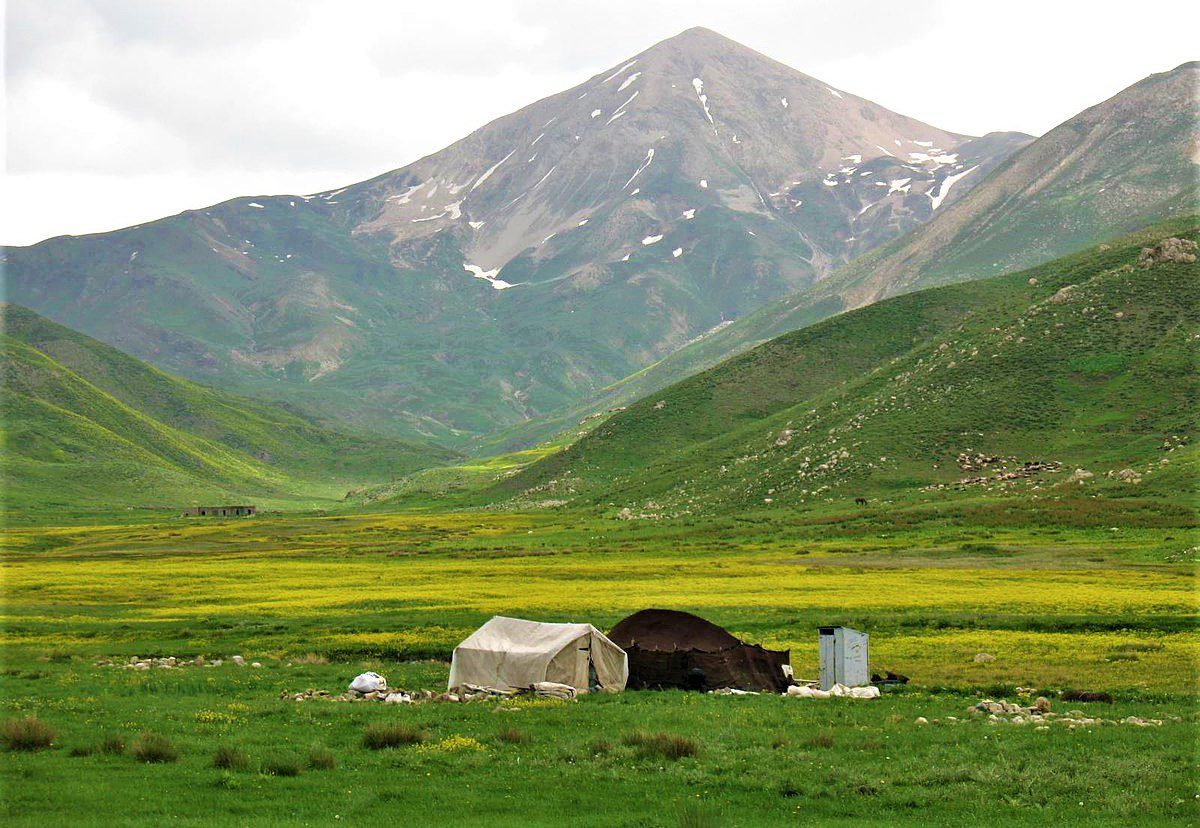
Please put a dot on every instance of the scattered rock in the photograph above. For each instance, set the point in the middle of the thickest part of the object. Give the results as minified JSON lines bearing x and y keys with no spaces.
{"x":1033,"y":282}
{"x":982,"y":657}
{"x":922,"y":720}
{"x":1064,"y":294}
{"x":1172,"y":249}
{"x":1126,"y":476}
{"x":1080,"y":475}
{"x":660,"y":405}
{"x":238,"y":660}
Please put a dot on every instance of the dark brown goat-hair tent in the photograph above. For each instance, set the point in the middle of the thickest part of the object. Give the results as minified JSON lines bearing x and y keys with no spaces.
{"x":668,"y":648}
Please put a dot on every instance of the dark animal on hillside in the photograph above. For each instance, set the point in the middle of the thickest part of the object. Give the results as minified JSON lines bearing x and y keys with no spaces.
{"x":861,"y":501}
{"x":1086,"y":696}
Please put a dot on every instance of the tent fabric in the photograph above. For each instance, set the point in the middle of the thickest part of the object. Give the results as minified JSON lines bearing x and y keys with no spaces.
{"x":513,"y":652}
{"x":668,"y":648}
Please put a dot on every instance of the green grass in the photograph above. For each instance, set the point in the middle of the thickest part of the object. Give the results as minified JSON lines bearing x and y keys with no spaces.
{"x":880,"y":402}
{"x":86,"y":425}
{"x":1060,"y":600}
{"x":634,"y":758}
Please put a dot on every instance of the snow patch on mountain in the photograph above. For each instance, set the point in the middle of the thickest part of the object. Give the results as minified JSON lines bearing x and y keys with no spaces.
{"x":488,"y":276}
{"x":698,"y":85}
{"x":479,"y":273}
{"x":944,"y":158}
{"x":621,"y":109}
{"x":949,"y":182}
{"x":628,"y":81}
{"x":491,"y":170}
{"x":643,"y":166}
{"x":619,"y":71}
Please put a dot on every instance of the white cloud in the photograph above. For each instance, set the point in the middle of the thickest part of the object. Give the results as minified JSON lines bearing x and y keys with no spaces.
{"x":121,"y":111}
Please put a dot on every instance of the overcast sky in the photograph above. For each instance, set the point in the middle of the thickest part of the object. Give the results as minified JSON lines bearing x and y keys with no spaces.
{"x":119,"y":111}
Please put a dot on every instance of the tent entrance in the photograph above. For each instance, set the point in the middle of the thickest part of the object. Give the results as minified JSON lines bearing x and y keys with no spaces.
{"x":571,"y":664}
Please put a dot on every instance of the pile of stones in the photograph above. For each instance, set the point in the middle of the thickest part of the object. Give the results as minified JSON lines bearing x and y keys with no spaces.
{"x":1041,"y":716}
{"x":171,"y":662}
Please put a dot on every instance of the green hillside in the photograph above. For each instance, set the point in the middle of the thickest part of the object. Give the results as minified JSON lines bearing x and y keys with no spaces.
{"x":1117,"y":167}
{"x":1087,"y":362}
{"x":88,"y":425}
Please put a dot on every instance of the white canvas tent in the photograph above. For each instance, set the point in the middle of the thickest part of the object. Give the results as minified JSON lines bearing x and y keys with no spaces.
{"x":512,"y":652}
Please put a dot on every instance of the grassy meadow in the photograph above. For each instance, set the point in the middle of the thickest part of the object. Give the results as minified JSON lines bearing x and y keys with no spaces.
{"x":1106,"y":604}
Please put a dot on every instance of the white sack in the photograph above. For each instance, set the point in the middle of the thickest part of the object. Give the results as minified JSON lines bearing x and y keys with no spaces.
{"x":368,"y":683}
{"x":803,"y":691}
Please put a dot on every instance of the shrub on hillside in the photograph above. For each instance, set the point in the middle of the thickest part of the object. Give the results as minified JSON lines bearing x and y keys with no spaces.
{"x":513,"y":736}
{"x":282,"y":766}
{"x":824,"y":739}
{"x":666,"y":745}
{"x":321,"y":758}
{"x":112,"y":743}
{"x":27,"y":733}
{"x":380,"y":735}
{"x":154,"y":749}
{"x":230,"y":758}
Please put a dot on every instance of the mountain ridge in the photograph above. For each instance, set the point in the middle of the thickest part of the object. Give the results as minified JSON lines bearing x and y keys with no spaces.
{"x":1061,"y":219}
{"x":1018,"y":374}
{"x":85,"y":424}
{"x":548,"y":254}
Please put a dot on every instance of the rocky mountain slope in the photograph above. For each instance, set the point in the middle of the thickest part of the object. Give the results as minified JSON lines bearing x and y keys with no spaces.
{"x":85,"y":424}
{"x":550,"y":253}
{"x":1010,"y":383}
{"x":1116,"y":167}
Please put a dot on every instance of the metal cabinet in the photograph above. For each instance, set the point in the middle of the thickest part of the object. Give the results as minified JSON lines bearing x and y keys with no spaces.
{"x":843,"y":657}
